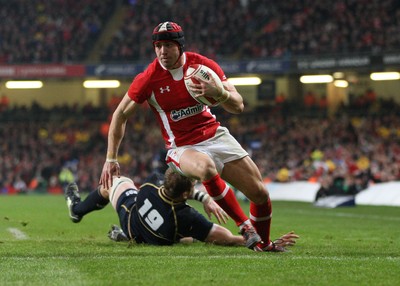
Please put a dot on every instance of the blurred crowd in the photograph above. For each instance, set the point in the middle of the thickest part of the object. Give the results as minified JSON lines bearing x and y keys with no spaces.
{"x":50,"y":31}
{"x":261,"y":28}
{"x":40,"y":31}
{"x":42,"y":150}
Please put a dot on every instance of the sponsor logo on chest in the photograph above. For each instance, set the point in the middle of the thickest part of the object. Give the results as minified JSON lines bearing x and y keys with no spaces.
{"x":183,"y":113}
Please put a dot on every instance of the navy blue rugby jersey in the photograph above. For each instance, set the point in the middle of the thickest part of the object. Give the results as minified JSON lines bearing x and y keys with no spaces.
{"x":158,"y":220}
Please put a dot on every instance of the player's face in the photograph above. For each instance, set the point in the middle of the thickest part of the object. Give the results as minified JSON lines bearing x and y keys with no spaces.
{"x":167,"y":53}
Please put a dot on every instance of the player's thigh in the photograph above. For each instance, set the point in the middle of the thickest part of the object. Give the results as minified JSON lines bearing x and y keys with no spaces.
{"x":197,"y":165}
{"x":120,"y":186}
{"x":244,"y":175}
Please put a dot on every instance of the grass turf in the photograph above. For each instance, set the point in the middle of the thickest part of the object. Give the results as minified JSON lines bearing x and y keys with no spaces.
{"x":39,"y":245}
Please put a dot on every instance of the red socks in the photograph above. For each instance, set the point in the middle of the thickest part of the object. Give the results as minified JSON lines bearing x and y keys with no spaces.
{"x":225,"y":198}
{"x":260,"y":217}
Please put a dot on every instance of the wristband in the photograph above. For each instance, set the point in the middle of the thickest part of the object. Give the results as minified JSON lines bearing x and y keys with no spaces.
{"x":200,"y":196}
{"x":112,"y":160}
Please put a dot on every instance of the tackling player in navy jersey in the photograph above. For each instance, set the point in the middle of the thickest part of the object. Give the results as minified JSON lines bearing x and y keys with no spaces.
{"x":153,"y":214}
{"x":159,"y":215}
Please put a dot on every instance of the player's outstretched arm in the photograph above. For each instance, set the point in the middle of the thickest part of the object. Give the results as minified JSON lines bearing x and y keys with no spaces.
{"x":116,"y":132}
{"x":222,"y":236}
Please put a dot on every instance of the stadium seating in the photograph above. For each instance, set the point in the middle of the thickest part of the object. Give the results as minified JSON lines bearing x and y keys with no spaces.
{"x":34,"y":31}
{"x":287,"y":144}
{"x":66,"y":30}
{"x":37,"y":144}
{"x":258,"y":29}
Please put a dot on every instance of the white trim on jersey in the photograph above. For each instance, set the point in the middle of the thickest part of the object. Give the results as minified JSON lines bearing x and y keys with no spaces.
{"x":171,"y":137}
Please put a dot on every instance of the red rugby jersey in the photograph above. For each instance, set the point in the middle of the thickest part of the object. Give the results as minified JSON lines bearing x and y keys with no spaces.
{"x":182,"y":119}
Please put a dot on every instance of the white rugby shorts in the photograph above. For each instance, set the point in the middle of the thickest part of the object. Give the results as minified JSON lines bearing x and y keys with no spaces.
{"x":222,"y":148}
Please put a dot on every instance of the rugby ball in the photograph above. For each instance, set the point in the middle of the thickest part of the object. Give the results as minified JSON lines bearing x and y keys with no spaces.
{"x":202,"y":72}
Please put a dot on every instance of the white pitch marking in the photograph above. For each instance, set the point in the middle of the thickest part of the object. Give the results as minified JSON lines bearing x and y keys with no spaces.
{"x":300,"y":257}
{"x":18,"y":234}
{"x":352,"y":215}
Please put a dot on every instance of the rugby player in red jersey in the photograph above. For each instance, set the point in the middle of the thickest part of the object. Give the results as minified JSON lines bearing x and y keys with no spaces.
{"x":198,"y":146}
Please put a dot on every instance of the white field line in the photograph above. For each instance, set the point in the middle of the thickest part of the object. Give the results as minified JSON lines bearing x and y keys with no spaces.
{"x":362,"y":216}
{"x":238,"y":256}
{"x":301,"y":257}
{"x":18,"y":234}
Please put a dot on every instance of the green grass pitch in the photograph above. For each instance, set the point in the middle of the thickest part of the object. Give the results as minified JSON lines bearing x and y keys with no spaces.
{"x":39,"y":245}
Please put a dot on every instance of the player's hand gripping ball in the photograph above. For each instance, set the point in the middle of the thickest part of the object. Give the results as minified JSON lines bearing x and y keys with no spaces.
{"x":203,"y":72}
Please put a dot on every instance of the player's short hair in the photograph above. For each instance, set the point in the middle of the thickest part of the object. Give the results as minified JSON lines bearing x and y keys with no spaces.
{"x":176,"y":184}
{"x":169,"y":31}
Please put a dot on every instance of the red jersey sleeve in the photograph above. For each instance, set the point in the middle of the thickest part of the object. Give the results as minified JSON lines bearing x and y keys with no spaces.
{"x":139,"y":90}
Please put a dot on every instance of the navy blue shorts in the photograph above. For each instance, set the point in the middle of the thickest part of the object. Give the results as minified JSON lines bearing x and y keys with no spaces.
{"x":125,"y":204}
